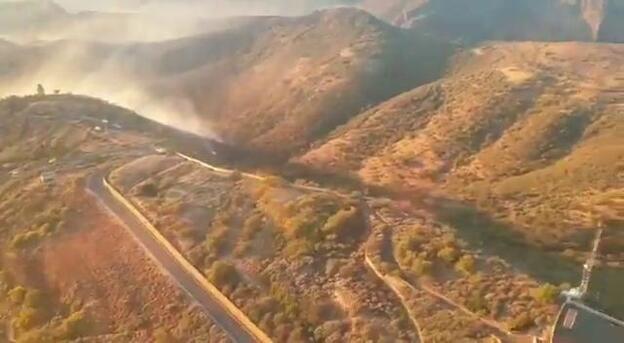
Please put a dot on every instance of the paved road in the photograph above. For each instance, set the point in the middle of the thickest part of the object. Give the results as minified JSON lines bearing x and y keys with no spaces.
{"x":579,"y":324}
{"x":168,"y":263}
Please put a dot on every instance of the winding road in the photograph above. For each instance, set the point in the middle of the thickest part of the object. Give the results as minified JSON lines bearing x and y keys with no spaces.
{"x":170,"y":263}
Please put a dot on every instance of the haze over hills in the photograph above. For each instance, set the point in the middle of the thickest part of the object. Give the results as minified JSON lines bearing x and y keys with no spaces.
{"x":265,"y":82}
{"x":386,"y":171}
{"x":549,"y":20}
{"x":51,"y":21}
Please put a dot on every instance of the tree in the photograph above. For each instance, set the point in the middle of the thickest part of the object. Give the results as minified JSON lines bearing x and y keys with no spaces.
{"x":477,"y":303}
{"x":40,"y":90}
{"x":17,"y":294}
{"x":29,"y":317}
{"x":222,"y":274}
{"x":34,"y":298}
{"x":448,"y":254}
{"x":466,"y":264}
{"x":340,"y":222}
{"x":421,"y":266}
{"x":74,"y":326}
{"x":546,"y":293}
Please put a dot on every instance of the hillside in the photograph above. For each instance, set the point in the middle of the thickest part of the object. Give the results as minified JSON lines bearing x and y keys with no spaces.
{"x":69,"y":270}
{"x":528,"y":132}
{"x":549,"y":20}
{"x":272,"y":84}
{"x":295,"y":79}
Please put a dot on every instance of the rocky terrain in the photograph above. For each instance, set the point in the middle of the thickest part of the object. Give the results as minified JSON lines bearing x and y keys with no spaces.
{"x":551,"y":20}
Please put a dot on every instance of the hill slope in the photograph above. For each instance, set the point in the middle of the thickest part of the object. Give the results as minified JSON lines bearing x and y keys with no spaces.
{"x":510,"y":120}
{"x":273,"y":84}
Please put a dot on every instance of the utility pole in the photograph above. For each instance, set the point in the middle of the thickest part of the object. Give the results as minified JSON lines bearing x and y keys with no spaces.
{"x":578,"y":293}
{"x":591,"y":262}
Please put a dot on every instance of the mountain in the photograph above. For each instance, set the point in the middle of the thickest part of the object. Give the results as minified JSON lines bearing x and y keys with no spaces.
{"x":544,"y":20}
{"x":528,"y":132}
{"x":47,"y":20}
{"x":278,"y":83}
{"x":271,"y":84}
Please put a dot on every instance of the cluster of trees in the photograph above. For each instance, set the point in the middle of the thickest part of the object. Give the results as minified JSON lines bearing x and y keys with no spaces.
{"x":315,"y":222}
{"x":419,"y":253}
{"x":28,"y":238}
{"x":34,"y":310}
{"x":547,"y":293}
{"x":45,"y":223}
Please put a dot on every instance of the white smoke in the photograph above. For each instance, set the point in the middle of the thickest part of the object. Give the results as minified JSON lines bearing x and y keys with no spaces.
{"x":70,"y":65}
{"x":70,"y":71}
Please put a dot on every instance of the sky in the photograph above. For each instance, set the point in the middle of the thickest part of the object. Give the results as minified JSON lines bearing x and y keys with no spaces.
{"x":207,"y":7}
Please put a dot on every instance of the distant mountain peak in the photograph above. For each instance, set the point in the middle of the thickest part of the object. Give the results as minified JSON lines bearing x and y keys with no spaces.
{"x":34,"y":7}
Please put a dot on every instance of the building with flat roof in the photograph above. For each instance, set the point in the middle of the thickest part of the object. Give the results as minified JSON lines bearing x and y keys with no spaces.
{"x":578,"y":323}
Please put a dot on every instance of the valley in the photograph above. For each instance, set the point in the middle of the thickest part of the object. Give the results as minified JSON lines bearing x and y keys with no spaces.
{"x":401,"y":171}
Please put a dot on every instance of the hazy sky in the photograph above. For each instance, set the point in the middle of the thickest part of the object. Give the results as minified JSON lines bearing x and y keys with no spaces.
{"x":208,"y":7}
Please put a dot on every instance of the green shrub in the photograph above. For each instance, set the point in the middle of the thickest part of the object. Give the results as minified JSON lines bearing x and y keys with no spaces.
{"x":74,"y":326}
{"x":448,"y":255}
{"x":289,"y":303}
{"x":17,"y":294}
{"x":421,"y":266}
{"x":29,"y":317}
{"x":34,"y":298}
{"x":222,"y":274}
{"x":340,"y":222}
{"x":466,"y":265}
{"x":546,"y":293}
{"x":477,"y":303}
{"x":298,"y":248}
{"x":26,"y":239}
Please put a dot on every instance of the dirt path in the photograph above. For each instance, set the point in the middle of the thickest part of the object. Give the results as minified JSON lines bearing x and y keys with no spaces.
{"x":500,"y":328}
{"x":392,"y":284}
